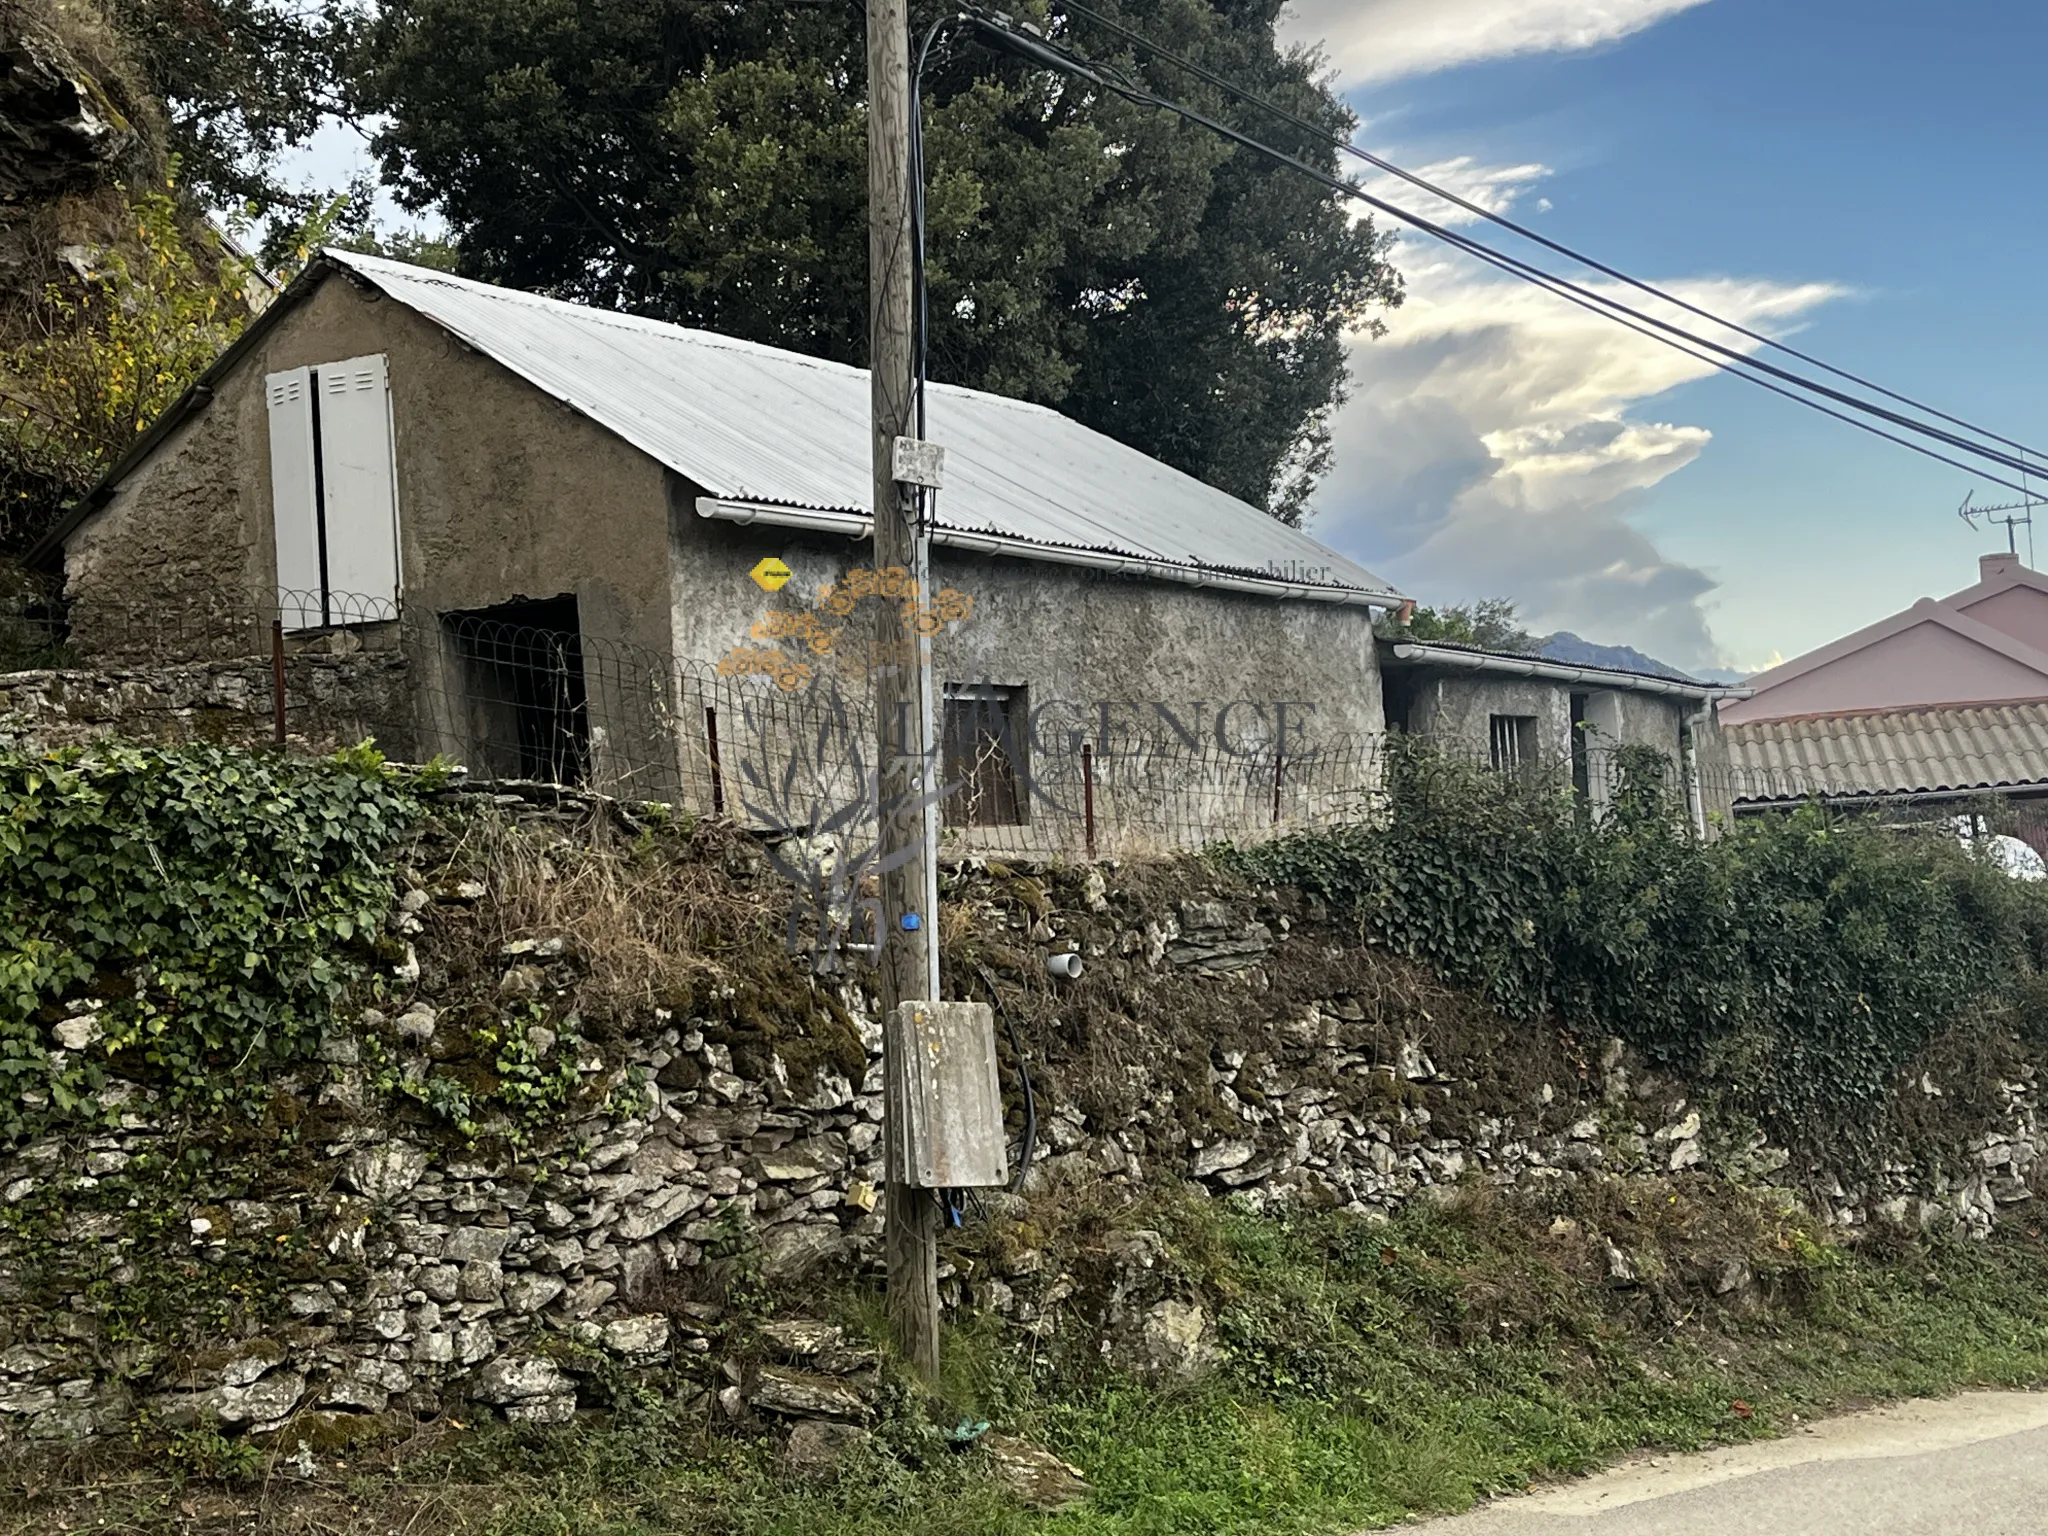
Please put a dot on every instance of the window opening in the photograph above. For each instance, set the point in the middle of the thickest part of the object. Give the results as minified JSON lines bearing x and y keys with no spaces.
{"x":1511,"y":740}
{"x":983,"y":757}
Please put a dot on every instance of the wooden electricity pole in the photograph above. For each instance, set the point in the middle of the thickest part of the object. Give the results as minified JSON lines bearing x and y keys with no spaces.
{"x":907,"y":950}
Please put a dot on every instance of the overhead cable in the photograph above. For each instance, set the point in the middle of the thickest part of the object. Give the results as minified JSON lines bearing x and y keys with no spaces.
{"x":1378,"y":162}
{"x":1033,"y":46}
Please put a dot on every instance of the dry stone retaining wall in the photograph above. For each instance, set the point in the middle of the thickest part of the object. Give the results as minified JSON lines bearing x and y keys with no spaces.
{"x":359,"y":1271}
{"x":332,"y":701}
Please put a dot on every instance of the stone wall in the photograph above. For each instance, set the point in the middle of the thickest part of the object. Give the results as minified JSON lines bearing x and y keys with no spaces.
{"x":346,"y":1265}
{"x":331,"y":701}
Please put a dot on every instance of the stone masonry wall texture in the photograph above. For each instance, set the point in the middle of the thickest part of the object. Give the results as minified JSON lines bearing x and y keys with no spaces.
{"x":332,"y":701}
{"x":390,"y":1275}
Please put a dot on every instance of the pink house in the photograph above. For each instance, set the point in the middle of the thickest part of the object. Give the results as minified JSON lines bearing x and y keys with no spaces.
{"x":1987,"y":644}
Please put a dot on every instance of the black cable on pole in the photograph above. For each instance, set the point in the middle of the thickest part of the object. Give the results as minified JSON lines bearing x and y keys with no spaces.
{"x":1034,"y":48}
{"x":920,"y":298}
{"x":1378,"y":162}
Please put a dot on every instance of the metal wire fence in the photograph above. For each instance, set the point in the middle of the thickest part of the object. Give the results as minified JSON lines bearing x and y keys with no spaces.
{"x":793,"y":757}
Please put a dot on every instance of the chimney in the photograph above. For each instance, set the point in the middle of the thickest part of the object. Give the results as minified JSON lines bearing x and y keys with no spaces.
{"x":1992,"y":567}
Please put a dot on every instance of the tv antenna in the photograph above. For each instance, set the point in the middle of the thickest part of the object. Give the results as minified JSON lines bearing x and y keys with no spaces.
{"x":2013,"y":514}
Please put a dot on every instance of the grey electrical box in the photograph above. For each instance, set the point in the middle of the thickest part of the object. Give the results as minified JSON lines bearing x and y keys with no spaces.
{"x":946,"y":1129}
{"x":918,"y":463}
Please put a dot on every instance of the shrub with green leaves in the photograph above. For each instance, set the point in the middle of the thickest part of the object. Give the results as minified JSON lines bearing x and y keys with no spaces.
{"x":186,"y":915}
{"x":1797,"y":962}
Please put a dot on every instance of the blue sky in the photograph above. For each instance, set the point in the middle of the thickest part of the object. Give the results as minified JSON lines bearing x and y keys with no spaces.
{"x":1865,"y":173}
{"x":1862,"y":177}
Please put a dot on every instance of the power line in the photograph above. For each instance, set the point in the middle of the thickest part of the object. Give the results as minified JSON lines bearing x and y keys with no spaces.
{"x":1036,"y":48}
{"x":1378,"y":162}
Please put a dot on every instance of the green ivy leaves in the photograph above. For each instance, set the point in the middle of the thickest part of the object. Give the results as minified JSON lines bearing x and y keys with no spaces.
{"x":189,"y":913}
{"x":1798,"y":962}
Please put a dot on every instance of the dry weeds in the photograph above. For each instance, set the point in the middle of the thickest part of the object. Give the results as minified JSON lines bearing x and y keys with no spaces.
{"x":650,"y":913}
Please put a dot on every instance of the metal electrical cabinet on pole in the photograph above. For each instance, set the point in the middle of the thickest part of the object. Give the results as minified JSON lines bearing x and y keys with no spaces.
{"x":906,"y":950}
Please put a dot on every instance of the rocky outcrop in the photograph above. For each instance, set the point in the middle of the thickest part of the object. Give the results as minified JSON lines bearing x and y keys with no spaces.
{"x":62,"y":129}
{"x":75,"y":123}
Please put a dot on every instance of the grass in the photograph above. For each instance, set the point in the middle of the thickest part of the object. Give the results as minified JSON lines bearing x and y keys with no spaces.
{"x":1370,"y":1372}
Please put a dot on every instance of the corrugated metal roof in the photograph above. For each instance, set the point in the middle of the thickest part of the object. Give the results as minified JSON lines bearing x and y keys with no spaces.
{"x":747,"y":422}
{"x":1913,"y":751}
{"x":1479,"y":658}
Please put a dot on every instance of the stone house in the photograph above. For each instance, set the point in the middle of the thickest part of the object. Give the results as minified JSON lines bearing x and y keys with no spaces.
{"x":571,"y":523}
{"x":1520,"y":712}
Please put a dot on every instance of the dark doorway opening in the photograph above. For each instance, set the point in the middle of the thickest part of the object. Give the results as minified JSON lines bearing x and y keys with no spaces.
{"x":520,"y":666}
{"x":1398,"y":687}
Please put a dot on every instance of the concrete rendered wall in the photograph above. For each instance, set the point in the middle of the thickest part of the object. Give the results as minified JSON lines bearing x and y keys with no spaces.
{"x":503,"y":493}
{"x":1094,"y":654}
{"x":1456,"y":708}
{"x":1068,"y":632}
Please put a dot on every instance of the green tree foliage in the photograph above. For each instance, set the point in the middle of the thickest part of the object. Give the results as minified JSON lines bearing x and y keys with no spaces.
{"x":707,"y":164}
{"x":105,"y":355}
{"x":1489,"y":623}
{"x":204,"y":907}
{"x":241,"y":81}
{"x":1799,"y":961}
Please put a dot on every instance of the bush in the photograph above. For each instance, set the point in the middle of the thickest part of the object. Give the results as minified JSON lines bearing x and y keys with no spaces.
{"x":106,"y":354}
{"x":1799,"y":961}
{"x":204,"y":906}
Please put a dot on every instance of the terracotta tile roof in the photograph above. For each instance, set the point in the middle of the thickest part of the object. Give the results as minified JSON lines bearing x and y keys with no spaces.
{"x":1905,"y":751}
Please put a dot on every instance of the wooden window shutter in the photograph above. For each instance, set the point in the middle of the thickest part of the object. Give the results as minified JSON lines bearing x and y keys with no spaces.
{"x":295,"y":496}
{"x":334,"y":496}
{"x":358,"y":480}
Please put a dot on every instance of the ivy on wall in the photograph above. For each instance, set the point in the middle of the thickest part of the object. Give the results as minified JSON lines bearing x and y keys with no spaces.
{"x":190,"y":913}
{"x":189,"y":916}
{"x":1798,"y":961}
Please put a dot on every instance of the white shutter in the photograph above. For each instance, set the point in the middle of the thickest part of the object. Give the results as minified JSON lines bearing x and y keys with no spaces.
{"x":294,"y":506}
{"x":360,"y":494}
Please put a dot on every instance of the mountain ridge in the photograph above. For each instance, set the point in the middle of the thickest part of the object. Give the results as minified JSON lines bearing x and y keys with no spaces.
{"x":1576,"y":650}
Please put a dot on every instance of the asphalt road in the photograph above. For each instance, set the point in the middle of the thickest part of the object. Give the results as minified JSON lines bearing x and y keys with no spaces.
{"x":1974,"y":1465}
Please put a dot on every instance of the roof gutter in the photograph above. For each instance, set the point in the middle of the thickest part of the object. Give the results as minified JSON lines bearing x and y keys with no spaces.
{"x":1560,"y":672}
{"x":1853,"y":798}
{"x":858,"y":525}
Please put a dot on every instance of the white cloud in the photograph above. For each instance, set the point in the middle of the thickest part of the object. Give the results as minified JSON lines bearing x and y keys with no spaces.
{"x":1491,"y":448}
{"x":1492,"y":187}
{"x":1376,"y":40}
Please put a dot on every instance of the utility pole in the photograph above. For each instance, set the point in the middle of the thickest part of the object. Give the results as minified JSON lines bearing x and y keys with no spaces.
{"x":906,"y":949}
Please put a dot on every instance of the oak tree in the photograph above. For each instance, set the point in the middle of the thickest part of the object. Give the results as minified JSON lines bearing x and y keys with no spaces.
{"x":705,"y":161}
